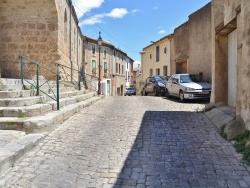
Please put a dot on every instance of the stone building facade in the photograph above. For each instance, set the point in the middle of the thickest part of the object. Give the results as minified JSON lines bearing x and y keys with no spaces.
{"x":115,"y":67}
{"x":155,"y":58}
{"x":46,"y":31}
{"x":192,"y":45}
{"x":230,"y":55}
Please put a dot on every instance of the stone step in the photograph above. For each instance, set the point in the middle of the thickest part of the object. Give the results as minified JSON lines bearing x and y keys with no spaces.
{"x":71,"y":100}
{"x":26,"y":111}
{"x":10,"y":81}
{"x":11,"y":87}
{"x":32,"y":106}
{"x":43,"y":123}
{"x":22,"y":102}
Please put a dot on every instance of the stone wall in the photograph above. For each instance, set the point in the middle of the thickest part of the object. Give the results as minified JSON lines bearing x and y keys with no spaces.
{"x":200,"y":36}
{"x":191,"y":45}
{"x":227,"y":16}
{"x":181,"y":43}
{"x":36,"y":29}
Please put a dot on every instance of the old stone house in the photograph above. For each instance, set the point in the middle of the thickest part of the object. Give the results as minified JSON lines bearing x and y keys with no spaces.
{"x":192,"y":45}
{"x":115,"y":67}
{"x":45,"y":31}
{"x":230,"y":55}
{"x":155,"y":58}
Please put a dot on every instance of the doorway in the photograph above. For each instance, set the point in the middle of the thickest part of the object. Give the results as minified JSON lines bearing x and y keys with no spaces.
{"x":232,"y":68}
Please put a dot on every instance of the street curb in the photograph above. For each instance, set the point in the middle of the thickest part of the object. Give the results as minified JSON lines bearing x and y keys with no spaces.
{"x":14,"y":150}
{"x":218,"y":117}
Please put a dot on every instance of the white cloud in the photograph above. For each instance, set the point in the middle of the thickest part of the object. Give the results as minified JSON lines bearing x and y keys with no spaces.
{"x":118,"y":13}
{"x":83,"y":6}
{"x":162,"y":32}
{"x":92,"y":20}
{"x":115,"y":13}
{"x":135,"y":10}
{"x":155,"y":7}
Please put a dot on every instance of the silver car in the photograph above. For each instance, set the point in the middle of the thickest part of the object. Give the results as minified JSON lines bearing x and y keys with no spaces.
{"x":187,"y":86}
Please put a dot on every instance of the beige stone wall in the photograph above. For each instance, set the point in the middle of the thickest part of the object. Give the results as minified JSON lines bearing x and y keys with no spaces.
{"x":28,"y":29}
{"x":244,"y":63}
{"x":70,"y":43}
{"x":148,"y":57}
{"x":180,"y":45}
{"x":200,"y":56}
{"x":37,"y":30}
{"x":226,"y":16}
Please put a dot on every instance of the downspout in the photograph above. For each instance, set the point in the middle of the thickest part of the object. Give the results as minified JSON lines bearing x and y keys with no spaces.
{"x":170,"y":40}
{"x":70,"y":47}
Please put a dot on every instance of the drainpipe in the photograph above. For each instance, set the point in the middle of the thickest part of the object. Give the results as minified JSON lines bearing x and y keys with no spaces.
{"x":70,"y":47}
{"x":170,"y":40}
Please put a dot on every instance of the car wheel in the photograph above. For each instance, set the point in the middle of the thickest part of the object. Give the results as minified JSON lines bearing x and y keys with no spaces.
{"x":144,"y":93}
{"x":167,"y":94}
{"x":155,"y":92}
{"x":181,"y":96}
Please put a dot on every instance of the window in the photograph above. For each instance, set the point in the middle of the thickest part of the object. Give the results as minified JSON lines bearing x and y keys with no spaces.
{"x":122,"y":69}
{"x":157,"y":71}
{"x":157,"y":54}
{"x":119,"y":68}
{"x":116,"y":67}
{"x":93,"y":67}
{"x":150,"y":56}
{"x":151,"y":72}
{"x":93,"y":49}
{"x":105,"y":67}
{"x":105,"y":53}
{"x":165,"y":70}
{"x":165,"y":50}
{"x":65,"y":26}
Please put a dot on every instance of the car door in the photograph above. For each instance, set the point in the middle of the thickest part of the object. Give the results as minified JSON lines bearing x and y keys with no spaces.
{"x":175,"y":85}
{"x":151,"y":85}
{"x":170,"y":85}
{"x":147,"y":84}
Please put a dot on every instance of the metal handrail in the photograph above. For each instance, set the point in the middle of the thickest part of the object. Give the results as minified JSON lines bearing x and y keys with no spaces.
{"x":82,"y":76}
{"x":68,"y":77}
{"x":36,"y":83}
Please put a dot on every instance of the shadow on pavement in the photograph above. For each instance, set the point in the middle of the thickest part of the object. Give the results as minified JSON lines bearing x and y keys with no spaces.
{"x":180,"y":149}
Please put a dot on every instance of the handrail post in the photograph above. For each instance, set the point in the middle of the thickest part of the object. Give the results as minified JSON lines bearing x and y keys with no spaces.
{"x":37,"y":80}
{"x":79,"y":78}
{"x":57,"y":90}
{"x":21,"y":68}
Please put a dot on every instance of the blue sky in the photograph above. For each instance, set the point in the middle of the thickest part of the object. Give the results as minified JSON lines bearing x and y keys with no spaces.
{"x":130,"y":25}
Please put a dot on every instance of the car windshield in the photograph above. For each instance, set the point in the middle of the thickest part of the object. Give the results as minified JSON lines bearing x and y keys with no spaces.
{"x":185,"y":79}
{"x":196,"y":78}
{"x":130,"y":88}
{"x":160,"y":78}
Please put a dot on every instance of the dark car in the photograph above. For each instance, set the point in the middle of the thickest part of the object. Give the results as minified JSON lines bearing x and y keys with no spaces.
{"x":129,"y":91}
{"x":155,"y":85}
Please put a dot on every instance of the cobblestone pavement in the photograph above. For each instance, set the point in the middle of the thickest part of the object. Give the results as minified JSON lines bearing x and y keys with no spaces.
{"x":132,"y":142}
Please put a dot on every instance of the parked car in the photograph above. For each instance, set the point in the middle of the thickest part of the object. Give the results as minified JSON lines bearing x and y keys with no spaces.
{"x":187,"y":86}
{"x":130,"y":91}
{"x":155,"y":85}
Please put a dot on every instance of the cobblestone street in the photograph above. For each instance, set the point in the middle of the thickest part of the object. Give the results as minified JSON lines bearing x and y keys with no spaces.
{"x":132,"y":142}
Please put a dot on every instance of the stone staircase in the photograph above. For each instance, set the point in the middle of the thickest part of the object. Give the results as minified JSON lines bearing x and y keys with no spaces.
{"x":24,"y":111}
